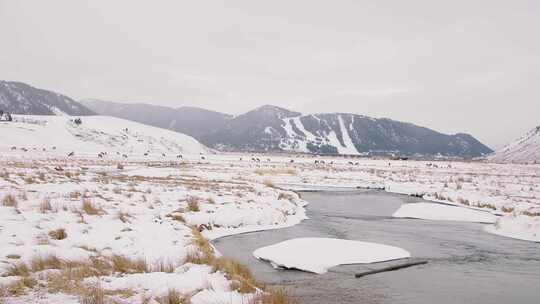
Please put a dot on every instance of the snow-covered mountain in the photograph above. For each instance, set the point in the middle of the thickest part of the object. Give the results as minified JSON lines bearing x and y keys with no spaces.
{"x":92,"y":135}
{"x":274,"y":128}
{"x":271,"y":128}
{"x":524,"y":150}
{"x":21,"y":98}
{"x":188,"y":120}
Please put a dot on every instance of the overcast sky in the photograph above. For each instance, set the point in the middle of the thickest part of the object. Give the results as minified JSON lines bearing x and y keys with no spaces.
{"x":454,"y":66}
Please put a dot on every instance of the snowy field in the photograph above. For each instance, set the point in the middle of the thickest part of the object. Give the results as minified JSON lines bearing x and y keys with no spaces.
{"x":136,"y":229}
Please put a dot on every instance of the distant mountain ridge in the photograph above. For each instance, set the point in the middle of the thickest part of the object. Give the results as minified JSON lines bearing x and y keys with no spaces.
{"x":21,"y":98}
{"x":185,"y":119}
{"x":271,"y":128}
{"x":524,"y":150}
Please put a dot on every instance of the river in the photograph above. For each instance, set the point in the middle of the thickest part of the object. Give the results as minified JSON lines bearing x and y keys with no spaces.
{"x":466,"y":264}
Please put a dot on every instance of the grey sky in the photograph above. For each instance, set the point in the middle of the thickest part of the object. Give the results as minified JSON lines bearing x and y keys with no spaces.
{"x":455,"y":66}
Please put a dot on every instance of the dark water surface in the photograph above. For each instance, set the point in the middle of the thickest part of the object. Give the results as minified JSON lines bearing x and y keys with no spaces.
{"x":466,"y":264}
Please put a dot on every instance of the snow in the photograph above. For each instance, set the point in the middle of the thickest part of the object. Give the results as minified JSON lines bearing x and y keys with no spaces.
{"x":440,"y":212}
{"x":233,"y":197}
{"x":156,"y":227}
{"x":524,"y":150}
{"x":317,"y":255}
{"x":520,"y":227}
{"x":349,"y":148}
{"x":95,"y":134}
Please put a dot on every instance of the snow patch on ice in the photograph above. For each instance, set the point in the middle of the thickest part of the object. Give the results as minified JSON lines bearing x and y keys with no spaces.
{"x":317,"y":255}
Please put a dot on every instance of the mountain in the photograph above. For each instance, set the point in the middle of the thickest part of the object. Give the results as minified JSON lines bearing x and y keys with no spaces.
{"x":186,"y":120}
{"x":92,"y":135}
{"x":524,"y":150}
{"x":21,"y":98}
{"x":271,"y":128}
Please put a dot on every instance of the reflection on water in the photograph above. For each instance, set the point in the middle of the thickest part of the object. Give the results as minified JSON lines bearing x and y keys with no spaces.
{"x":466,"y":264}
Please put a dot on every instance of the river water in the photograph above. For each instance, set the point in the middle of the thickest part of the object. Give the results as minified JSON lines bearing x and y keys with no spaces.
{"x":466,"y":264}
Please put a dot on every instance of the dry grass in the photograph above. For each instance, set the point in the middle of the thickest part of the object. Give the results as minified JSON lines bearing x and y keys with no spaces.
{"x":123,"y":264}
{"x":75,"y":195}
{"x":269,"y":183}
{"x":277,"y":171}
{"x":41,"y":263}
{"x":18,"y":269}
{"x":286,"y":196}
{"x":45,"y":205}
{"x":124,"y":216}
{"x":93,"y":295}
{"x":10,"y":200}
{"x":90,"y":208}
{"x":193,"y":204}
{"x":239,"y":274}
{"x":58,"y":234}
{"x":173,"y":297}
{"x":242,"y":278}
{"x":507,"y":209}
{"x":274,"y":296}
{"x":176,"y":216}
{"x":163,"y":266}
{"x":17,"y":288}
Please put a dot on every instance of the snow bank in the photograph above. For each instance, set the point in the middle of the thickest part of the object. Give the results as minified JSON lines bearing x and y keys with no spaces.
{"x":317,"y":255}
{"x":520,"y":227}
{"x":440,"y":212}
{"x":95,"y":134}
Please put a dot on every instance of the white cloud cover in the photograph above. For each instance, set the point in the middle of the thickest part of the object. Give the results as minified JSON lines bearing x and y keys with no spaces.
{"x":470,"y":66}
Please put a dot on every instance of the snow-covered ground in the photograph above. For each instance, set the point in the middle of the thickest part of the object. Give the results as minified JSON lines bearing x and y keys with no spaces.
{"x":114,"y":136}
{"x":441,"y":212}
{"x":319,"y":254}
{"x":72,"y":227}
{"x":524,"y":150}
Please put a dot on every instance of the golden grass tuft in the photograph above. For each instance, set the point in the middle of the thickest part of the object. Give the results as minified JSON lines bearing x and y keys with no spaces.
{"x":45,"y":205}
{"x":193,"y":204}
{"x":163,"y":266}
{"x":173,"y":297}
{"x":239,"y":274}
{"x":124,"y":216}
{"x":269,"y":183}
{"x":176,"y":216}
{"x":58,"y":234}
{"x":90,"y":208}
{"x":18,"y":269}
{"x":40,"y":263}
{"x":10,"y":200}
{"x":123,"y":264}
{"x":93,"y":295}
{"x":18,"y":287}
